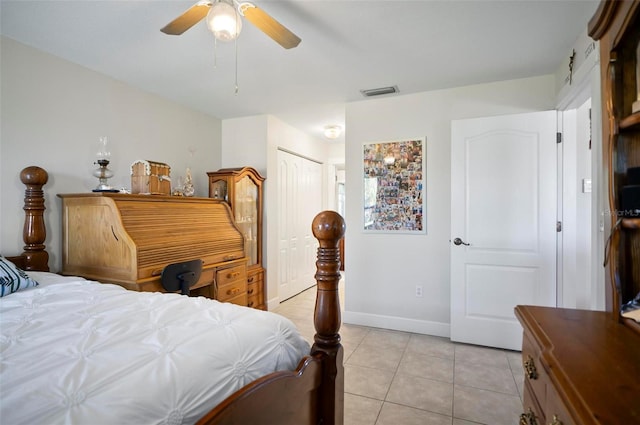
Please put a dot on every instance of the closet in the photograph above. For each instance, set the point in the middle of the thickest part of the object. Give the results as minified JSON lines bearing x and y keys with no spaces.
{"x":299,"y":200}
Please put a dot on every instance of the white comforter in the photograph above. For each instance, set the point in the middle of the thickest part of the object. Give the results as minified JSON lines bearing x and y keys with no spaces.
{"x":79,"y":352}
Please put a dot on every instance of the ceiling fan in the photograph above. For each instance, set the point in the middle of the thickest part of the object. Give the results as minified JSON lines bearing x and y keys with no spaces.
{"x":223,"y":19}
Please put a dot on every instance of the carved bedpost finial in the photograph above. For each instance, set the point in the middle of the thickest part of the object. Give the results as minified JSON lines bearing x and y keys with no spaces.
{"x":34,"y":232}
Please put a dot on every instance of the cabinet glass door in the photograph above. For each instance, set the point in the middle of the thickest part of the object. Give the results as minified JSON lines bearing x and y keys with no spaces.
{"x":218,"y":190}
{"x":246,"y":215}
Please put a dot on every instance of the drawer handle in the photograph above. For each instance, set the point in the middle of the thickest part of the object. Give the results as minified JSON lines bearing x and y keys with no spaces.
{"x":530,"y":368}
{"x":528,"y":418}
{"x":250,"y":279}
{"x":556,"y":421}
{"x":250,"y":291}
{"x":232,"y":275}
{"x":233,"y":291}
{"x":251,"y":305}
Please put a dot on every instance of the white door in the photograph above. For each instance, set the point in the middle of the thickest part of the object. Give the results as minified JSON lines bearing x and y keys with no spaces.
{"x":299,"y":200}
{"x":288,"y":178}
{"x":503,"y":205}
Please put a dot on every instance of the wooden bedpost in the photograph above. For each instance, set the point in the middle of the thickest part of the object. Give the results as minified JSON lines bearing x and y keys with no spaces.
{"x":329,"y":227}
{"x":34,"y":232}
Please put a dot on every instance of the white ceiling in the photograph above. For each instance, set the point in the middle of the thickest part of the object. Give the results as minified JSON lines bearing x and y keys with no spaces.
{"x":347,"y":45}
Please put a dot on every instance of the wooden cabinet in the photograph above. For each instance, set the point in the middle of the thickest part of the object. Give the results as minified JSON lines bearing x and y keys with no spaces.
{"x":617,"y":27}
{"x":129,"y":239}
{"x":581,"y":367}
{"x":241,"y":188}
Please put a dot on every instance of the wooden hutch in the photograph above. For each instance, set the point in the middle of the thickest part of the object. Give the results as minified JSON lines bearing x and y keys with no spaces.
{"x":242,"y":189}
{"x":583,"y":367}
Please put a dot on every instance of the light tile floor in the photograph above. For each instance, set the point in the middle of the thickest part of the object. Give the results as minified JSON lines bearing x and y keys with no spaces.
{"x":401,"y":378}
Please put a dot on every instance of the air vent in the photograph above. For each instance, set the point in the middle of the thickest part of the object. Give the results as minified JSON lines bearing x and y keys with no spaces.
{"x":379,"y":91}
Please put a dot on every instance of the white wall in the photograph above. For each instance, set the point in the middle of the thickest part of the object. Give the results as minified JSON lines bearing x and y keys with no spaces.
{"x":53,"y":113}
{"x":244,"y":143}
{"x":383,"y":269}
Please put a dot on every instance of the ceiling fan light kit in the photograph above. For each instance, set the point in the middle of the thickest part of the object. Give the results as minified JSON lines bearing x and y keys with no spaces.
{"x":224,"y":21}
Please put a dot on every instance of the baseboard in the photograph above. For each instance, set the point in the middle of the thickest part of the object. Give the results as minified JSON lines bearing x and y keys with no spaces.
{"x":273,"y":303}
{"x":397,"y":323}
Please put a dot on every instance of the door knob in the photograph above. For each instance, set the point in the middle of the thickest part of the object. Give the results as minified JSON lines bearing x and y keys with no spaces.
{"x":458,"y":241}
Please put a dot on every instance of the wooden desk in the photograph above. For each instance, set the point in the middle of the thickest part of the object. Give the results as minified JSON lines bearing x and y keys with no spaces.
{"x":129,"y":239}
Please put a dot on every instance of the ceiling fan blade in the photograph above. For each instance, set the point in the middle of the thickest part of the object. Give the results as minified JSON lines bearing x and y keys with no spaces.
{"x":269,"y":26}
{"x":188,"y":19}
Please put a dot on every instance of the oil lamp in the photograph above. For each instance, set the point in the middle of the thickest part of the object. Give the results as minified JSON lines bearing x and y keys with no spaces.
{"x":102,"y":172}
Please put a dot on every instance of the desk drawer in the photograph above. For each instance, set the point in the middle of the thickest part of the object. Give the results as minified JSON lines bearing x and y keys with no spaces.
{"x":240,"y":299}
{"x":231,"y":284}
{"x":255,"y":291}
{"x":231,"y":274}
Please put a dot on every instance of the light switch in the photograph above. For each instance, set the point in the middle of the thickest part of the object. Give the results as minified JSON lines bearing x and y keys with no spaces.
{"x":586,"y":185}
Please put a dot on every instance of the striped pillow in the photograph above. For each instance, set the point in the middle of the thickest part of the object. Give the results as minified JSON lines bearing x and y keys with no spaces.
{"x":12,"y":279}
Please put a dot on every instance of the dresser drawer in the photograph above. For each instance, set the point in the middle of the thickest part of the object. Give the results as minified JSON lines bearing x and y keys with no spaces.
{"x":533,"y":413}
{"x":555,"y":410}
{"x":534,"y":373}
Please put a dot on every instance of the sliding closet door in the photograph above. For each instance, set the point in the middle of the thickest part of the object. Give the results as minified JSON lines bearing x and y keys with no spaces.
{"x":299,"y":200}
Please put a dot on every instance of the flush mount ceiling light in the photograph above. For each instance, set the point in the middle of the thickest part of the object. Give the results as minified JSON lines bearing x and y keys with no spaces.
{"x":379,"y":91}
{"x":332,"y":131}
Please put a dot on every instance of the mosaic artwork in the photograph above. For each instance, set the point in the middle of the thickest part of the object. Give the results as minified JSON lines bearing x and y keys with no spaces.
{"x":394,"y":186}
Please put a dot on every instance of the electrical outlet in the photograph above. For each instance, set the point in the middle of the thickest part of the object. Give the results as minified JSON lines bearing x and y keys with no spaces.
{"x":419,"y":291}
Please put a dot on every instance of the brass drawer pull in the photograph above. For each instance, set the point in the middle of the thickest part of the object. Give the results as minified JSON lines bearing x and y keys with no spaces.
{"x":528,"y":418}
{"x":233,"y":291}
{"x":556,"y":421}
{"x":233,"y":275}
{"x":530,"y":368}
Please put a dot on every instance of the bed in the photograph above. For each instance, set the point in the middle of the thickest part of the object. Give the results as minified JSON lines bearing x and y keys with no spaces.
{"x":82,"y":352}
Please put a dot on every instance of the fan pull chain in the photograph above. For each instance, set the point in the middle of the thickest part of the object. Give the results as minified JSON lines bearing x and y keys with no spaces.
{"x":236,"y":42}
{"x":215,"y":53}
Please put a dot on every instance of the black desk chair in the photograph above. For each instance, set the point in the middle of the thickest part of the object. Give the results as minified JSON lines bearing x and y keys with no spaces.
{"x":181,"y":276}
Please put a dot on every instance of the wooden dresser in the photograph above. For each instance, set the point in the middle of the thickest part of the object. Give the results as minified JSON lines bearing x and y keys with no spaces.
{"x":129,"y":239}
{"x":581,"y":367}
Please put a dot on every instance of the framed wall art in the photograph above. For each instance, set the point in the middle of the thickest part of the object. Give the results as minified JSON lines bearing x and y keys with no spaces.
{"x":394,"y":186}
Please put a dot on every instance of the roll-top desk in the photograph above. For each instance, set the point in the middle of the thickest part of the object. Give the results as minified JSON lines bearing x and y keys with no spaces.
{"x":129,"y":239}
